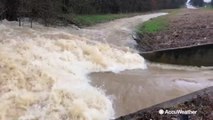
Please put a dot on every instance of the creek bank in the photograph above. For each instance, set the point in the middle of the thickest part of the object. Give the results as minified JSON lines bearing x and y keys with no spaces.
{"x":184,"y":28}
{"x":201,"y":102}
{"x":183,"y":37}
{"x":198,"y":55}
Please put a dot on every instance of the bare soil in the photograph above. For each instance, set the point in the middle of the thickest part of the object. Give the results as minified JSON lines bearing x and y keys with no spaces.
{"x":186,"y":28}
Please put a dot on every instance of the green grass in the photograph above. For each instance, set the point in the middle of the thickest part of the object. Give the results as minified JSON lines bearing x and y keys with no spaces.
{"x":157,"y":24}
{"x":208,"y":7}
{"x":88,"y":20}
{"x":153,"y":26}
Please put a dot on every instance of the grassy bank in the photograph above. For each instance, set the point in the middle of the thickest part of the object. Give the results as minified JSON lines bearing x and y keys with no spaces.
{"x":153,"y":26}
{"x":161,"y":23}
{"x":183,"y":27}
{"x":157,"y":24}
{"x":87,"y":20}
{"x":208,"y":7}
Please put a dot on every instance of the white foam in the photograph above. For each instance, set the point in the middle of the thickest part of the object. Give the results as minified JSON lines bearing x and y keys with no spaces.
{"x":189,"y":6}
{"x":43,"y":73}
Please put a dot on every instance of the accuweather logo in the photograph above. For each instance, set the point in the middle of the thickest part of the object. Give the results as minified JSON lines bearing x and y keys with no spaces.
{"x":175,"y":112}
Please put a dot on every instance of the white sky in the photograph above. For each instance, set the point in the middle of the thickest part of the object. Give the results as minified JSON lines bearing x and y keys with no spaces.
{"x":207,"y":0}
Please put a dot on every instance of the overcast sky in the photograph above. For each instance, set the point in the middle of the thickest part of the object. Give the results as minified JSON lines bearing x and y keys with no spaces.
{"x":207,"y":0}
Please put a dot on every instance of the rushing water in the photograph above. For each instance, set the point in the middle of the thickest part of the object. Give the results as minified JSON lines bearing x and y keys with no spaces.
{"x":137,"y":89}
{"x":189,"y":6}
{"x":43,"y":74}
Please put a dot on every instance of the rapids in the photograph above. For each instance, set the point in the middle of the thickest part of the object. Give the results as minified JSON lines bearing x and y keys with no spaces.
{"x":43,"y":74}
{"x":66,"y":74}
{"x":189,"y":6}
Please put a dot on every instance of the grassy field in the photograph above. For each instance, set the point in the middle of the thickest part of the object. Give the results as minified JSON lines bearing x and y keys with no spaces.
{"x":88,"y":20}
{"x":208,"y":7}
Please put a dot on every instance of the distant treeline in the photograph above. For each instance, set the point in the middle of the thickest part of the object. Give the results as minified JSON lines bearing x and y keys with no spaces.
{"x":50,"y":10}
{"x":121,"y":6}
{"x":35,"y":9}
{"x":200,"y":3}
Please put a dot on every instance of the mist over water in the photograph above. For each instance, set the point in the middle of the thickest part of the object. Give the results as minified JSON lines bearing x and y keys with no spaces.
{"x":43,"y":74}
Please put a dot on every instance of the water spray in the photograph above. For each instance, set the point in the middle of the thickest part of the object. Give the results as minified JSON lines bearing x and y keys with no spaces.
{"x":189,"y":5}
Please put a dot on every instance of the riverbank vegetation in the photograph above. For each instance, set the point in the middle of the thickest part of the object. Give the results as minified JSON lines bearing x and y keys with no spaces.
{"x":153,"y":26}
{"x":88,"y":20}
{"x":157,"y":24}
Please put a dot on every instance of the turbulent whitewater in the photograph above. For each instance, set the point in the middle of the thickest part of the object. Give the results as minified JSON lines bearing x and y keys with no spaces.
{"x":189,"y":6}
{"x":43,"y":74}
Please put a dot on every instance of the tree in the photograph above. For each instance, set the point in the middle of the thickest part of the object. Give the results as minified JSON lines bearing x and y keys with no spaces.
{"x":11,"y":7}
{"x":154,"y":4}
{"x":52,"y":10}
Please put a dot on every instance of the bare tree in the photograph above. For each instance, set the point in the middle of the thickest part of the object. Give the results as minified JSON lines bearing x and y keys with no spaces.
{"x":11,"y":7}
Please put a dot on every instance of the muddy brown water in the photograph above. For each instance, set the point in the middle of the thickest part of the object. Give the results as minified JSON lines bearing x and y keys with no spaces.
{"x":134,"y":90}
{"x":44,"y":73}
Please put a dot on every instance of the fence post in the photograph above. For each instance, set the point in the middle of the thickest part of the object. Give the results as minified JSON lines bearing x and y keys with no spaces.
{"x":19,"y":20}
{"x":31,"y":22}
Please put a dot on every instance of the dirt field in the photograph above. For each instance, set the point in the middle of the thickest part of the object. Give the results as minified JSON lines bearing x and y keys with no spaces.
{"x":186,"y":28}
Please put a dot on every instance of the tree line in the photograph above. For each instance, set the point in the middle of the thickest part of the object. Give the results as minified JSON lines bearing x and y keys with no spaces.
{"x":42,"y":9}
{"x":121,"y":6}
{"x":50,"y":10}
{"x":200,"y":3}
